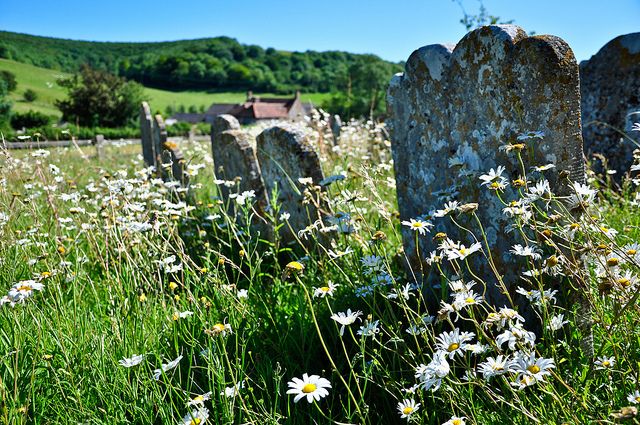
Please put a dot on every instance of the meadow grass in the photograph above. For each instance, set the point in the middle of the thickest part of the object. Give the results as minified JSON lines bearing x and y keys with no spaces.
{"x":108,"y":262}
{"x":43,"y":82}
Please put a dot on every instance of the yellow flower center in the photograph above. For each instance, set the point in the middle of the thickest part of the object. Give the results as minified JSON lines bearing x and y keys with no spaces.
{"x":24,"y":288}
{"x":453,"y":347}
{"x":518,"y":182}
{"x":463,"y":251}
{"x":552,"y":261}
{"x":45,"y":274}
{"x":325,"y":289}
{"x":631,"y":252}
{"x":613,"y":261}
{"x":470,"y":300}
{"x":456,"y":422}
{"x":309,"y":388}
{"x":606,"y":363}
{"x":218,"y":327}
{"x":624,"y":281}
{"x":574,"y":226}
{"x":440,"y":235}
{"x":407,"y":410}
{"x":416,"y":225}
{"x":495,"y":185}
{"x":196,"y":421}
{"x":295,"y":266}
{"x":199,"y":398}
{"x":533,"y":368}
{"x":638,"y":399}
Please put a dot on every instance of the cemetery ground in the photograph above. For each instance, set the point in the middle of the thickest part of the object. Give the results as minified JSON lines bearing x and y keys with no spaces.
{"x":43,"y":82}
{"x":127,"y":304}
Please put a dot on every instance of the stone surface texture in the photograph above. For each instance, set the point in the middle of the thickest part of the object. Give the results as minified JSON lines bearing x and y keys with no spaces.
{"x":146,"y":131}
{"x":285,"y":155}
{"x":235,"y":159}
{"x":459,"y":105}
{"x":610,"y":89}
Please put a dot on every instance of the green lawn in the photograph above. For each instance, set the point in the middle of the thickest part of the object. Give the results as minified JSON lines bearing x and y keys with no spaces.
{"x":43,"y":82}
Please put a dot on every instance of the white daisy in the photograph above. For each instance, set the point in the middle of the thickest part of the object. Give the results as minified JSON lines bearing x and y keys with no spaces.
{"x":312,"y":387}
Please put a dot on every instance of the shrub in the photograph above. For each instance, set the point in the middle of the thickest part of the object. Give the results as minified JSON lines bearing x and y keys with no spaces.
{"x":30,"y":119}
{"x":10,"y":80}
{"x":30,"y":95}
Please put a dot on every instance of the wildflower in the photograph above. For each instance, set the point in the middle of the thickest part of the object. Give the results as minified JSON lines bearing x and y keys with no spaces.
{"x":634,"y":397}
{"x":242,"y":293}
{"x":198,"y":416}
{"x":431,"y":375}
{"x":219,"y":329}
{"x":454,"y":342}
{"x":284,"y":216}
{"x":492,"y":176}
{"x":294,"y":267}
{"x":526,"y":251}
{"x":323,"y":291}
{"x":583,"y":197}
{"x":346,"y":319}
{"x":557,"y":322}
{"x":456,"y":420}
{"x":173,"y":286}
{"x":23,"y":290}
{"x":166,"y":367}
{"x":516,"y":334}
{"x":407,"y":407}
{"x":199,"y":400}
{"x":131,"y":361}
{"x":181,"y":314}
{"x":604,"y":362}
{"x":419,"y":226}
{"x":313,"y":387}
{"x":527,"y":366}
{"x":448,"y":208}
{"x":461,"y":252}
{"x":494,"y":366}
{"x":531,"y":135}
{"x":233,"y":391}
{"x":369,"y":328}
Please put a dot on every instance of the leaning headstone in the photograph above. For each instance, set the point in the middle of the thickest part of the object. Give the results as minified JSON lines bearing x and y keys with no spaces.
{"x":610,"y":89}
{"x":171,"y":154}
{"x":286,"y":156}
{"x":146,"y":131}
{"x":450,"y":113}
{"x":98,"y":141}
{"x":235,"y":160}
{"x":158,"y":137}
{"x":335,"y":123}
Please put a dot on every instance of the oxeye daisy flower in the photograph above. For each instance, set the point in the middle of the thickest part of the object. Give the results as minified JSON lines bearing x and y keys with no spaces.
{"x":324,"y":291}
{"x":199,"y":399}
{"x":407,"y":408}
{"x":219,"y":329}
{"x":604,"y":362}
{"x":634,"y":397}
{"x":494,"y":366}
{"x":131,"y":361}
{"x":456,"y":420}
{"x":528,"y":366}
{"x":196,"y":417}
{"x":557,"y":322}
{"x":369,"y":328}
{"x":454,"y":342}
{"x":312,"y":387}
{"x":419,"y":226}
{"x":492,"y":175}
{"x":346,"y":319}
{"x":166,"y":367}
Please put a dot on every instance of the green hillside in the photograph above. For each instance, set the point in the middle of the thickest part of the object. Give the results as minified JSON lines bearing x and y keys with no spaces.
{"x":221,"y":63}
{"x":43,"y":82}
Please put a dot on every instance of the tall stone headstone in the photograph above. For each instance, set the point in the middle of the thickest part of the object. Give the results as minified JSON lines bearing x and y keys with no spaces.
{"x":285,"y":156}
{"x":452,"y":110}
{"x":235,"y":159}
{"x":159,"y":137}
{"x":171,"y":154}
{"x":98,"y":142}
{"x":146,"y":135}
{"x":610,"y":89}
{"x":335,"y":123}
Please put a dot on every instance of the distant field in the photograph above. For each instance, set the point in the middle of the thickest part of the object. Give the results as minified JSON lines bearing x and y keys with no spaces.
{"x":43,"y":82}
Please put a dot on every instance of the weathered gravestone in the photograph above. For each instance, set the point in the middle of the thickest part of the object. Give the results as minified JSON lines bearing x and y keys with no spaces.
{"x":146,"y":131}
{"x":610,"y":91}
{"x":285,"y":155}
{"x":336,"y":126}
{"x":452,"y":110}
{"x":235,"y":160}
{"x":169,"y":160}
{"x":98,"y":142}
{"x":158,"y":137}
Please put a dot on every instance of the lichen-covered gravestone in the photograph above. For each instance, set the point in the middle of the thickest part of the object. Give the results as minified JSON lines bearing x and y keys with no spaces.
{"x":235,"y":159}
{"x":285,"y":156}
{"x":452,"y":110}
{"x":158,"y":137}
{"x":146,"y":131}
{"x":610,"y":89}
{"x":171,"y":154}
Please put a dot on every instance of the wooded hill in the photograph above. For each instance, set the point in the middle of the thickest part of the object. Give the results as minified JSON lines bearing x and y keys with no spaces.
{"x":220,"y":63}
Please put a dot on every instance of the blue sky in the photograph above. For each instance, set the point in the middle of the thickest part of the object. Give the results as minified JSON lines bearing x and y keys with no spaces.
{"x":391,"y":29}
